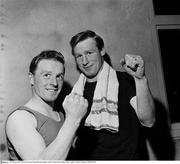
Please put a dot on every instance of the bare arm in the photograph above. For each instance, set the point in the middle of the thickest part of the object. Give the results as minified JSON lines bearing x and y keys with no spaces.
{"x":143,"y":102}
{"x":29,"y":144}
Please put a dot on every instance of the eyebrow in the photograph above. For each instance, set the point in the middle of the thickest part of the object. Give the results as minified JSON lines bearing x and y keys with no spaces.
{"x":50,"y":72}
{"x":45,"y":72}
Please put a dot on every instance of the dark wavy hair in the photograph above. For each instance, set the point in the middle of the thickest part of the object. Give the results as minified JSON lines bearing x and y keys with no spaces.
{"x":47,"y":54}
{"x":85,"y":35}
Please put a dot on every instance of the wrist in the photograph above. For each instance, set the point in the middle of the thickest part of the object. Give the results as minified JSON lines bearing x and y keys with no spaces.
{"x":72,"y":120}
{"x":142,"y":79}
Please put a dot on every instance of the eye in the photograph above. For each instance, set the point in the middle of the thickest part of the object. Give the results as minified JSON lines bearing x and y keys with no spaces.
{"x":78,"y":56}
{"x":89,"y":53}
{"x":46,"y":75}
{"x":60,"y":76}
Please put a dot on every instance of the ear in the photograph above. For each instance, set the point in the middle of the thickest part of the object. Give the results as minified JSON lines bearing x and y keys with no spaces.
{"x":103,"y":52}
{"x":31,"y":78}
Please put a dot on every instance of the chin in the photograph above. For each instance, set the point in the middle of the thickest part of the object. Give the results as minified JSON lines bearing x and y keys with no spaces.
{"x":50,"y":100}
{"x":89,"y":74}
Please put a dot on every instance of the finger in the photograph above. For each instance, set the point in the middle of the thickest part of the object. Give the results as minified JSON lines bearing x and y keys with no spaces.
{"x":140,"y":61}
{"x":86,"y":102}
{"x":81,"y":99}
{"x":129,"y":69}
{"x":133,"y":67}
{"x":134,"y":58}
{"x":65,"y":100}
{"x":78,"y":98}
{"x":71,"y":97}
{"x":133,"y":61}
{"x":122,"y":62}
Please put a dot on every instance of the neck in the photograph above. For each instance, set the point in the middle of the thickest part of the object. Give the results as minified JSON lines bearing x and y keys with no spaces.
{"x":38,"y":104}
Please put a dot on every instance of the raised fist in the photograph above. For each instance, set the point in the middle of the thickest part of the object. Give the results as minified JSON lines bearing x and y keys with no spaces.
{"x":134,"y":65}
{"x":75,"y":106}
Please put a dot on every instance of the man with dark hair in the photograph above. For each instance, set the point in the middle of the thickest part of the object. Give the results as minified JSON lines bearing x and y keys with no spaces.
{"x":120,"y":103}
{"x":35,"y":131}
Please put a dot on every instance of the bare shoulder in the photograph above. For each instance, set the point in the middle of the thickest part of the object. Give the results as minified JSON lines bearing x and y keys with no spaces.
{"x":19,"y":120}
{"x":23,"y":135}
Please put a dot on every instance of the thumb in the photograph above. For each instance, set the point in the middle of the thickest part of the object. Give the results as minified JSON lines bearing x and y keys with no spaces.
{"x":65,"y":101}
{"x":122,"y":62}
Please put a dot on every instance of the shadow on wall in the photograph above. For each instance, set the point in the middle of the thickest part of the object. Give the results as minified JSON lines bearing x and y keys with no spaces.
{"x":107,"y":59}
{"x":159,"y":135}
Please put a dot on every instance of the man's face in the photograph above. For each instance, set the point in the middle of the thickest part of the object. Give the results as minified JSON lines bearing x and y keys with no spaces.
{"x":88,"y":58}
{"x":48,"y":80}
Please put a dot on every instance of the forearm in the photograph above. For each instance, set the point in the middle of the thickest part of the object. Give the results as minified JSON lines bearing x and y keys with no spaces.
{"x":145,"y":102}
{"x":59,"y":148}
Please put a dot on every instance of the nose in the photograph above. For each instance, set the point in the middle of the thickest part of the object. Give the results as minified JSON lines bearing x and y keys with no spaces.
{"x":85,"y":60}
{"x":54,"y":82}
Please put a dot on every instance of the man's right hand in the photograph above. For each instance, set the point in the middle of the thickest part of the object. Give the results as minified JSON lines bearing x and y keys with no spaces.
{"x":75,"y":106}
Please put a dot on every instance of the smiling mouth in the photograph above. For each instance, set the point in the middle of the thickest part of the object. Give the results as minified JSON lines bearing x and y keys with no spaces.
{"x":52,"y":90}
{"x":87,"y":68}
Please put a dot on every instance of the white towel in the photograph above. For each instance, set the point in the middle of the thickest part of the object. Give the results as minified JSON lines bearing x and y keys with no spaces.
{"x":104,"y":113}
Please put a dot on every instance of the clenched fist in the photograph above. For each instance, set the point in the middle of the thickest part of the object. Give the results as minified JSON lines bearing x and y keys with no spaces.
{"x":134,"y":65}
{"x":75,"y":106}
